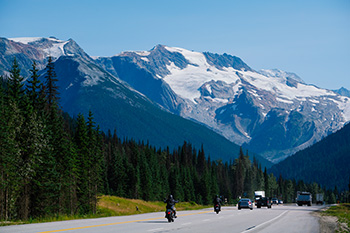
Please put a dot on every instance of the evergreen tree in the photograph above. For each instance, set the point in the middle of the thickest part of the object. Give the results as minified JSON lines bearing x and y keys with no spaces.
{"x":239,"y":174}
{"x":95,"y":168}
{"x":266,"y":183}
{"x":83,"y":166}
{"x":33,"y":87}
{"x":33,"y":143}
{"x":9,"y":154}
{"x":51,"y":87}
{"x":15,"y":84}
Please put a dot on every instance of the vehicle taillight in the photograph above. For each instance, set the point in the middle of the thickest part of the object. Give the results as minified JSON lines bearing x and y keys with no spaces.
{"x":250,"y":203}
{"x":168,"y":212}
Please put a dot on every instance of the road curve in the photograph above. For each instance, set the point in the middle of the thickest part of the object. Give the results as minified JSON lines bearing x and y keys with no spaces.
{"x":282,"y":218}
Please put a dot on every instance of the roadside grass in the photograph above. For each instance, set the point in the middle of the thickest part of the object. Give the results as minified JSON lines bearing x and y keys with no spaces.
{"x":342,"y":212}
{"x":117,"y":206}
{"x":113,"y":206}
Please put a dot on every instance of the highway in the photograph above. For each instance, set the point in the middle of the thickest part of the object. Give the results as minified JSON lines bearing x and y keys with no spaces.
{"x":282,"y":218}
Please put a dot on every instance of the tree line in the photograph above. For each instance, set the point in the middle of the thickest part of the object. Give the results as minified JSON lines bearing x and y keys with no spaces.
{"x":52,"y":164}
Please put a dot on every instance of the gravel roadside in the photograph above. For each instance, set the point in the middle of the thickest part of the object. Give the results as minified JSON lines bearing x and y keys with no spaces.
{"x":330,"y":224}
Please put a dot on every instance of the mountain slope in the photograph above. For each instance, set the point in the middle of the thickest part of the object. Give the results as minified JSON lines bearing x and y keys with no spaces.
{"x":343,"y":91}
{"x":326,"y":162}
{"x":84,"y":86}
{"x":271,"y":111}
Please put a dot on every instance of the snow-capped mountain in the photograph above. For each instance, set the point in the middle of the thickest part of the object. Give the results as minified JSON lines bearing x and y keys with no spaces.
{"x":38,"y":49}
{"x":84,"y":85}
{"x":273,"y":112}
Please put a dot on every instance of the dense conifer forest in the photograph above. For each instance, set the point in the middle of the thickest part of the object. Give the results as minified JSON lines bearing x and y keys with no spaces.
{"x":52,"y":164}
{"x":332,"y":154}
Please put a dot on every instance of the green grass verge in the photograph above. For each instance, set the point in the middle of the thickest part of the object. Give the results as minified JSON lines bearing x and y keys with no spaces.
{"x":341,"y":211}
{"x":114,"y":206}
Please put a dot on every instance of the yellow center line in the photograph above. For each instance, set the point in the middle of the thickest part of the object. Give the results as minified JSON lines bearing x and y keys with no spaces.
{"x":116,"y":223}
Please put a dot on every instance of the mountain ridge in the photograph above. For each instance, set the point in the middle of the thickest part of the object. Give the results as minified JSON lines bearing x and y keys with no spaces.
{"x":205,"y":86}
{"x":272,"y":112}
{"x":84,"y":86}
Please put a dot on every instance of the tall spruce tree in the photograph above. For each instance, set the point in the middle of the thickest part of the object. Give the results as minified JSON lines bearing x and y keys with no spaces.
{"x":33,"y":87}
{"x":15,"y":84}
{"x":9,"y":153}
{"x":33,"y":143}
{"x":83,"y":191}
{"x":95,"y":167}
{"x":51,"y":86}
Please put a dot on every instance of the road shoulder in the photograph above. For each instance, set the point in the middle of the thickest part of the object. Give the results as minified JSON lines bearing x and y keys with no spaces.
{"x":329,"y":224}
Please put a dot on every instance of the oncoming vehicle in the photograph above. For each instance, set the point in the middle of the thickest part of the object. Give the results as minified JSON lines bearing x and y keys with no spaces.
{"x":304,"y":198}
{"x":274,"y":201}
{"x":258,"y":195}
{"x":264,"y":201}
{"x":245,"y":203}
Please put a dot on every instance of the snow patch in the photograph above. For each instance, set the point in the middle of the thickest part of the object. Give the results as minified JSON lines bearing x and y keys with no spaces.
{"x":145,"y":59}
{"x":56,"y":50}
{"x":208,"y":87}
{"x":186,"y":82}
{"x":143,"y":53}
{"x":284,"y":100}
{"x":193,"y":57}
{"x":314,"y":101}
{"x":70,"y":85}
{"x":25,"y":40}
{"x":282,"y":89}
{"x":344,"y":106}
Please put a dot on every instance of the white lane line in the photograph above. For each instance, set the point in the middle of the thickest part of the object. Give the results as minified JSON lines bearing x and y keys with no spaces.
{"x":187,"y":223}
{"x":262,"y":224}
{"x":155,"y":229}
{"x":206,"y":220}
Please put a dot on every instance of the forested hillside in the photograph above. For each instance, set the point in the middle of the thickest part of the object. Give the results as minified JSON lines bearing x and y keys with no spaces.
{"x":51,"y":164}
{"x":326,"y":162}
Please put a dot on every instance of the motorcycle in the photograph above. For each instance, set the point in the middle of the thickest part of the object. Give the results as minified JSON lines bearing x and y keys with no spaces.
{"x":170,"y":215}
{"x":217,"y":208}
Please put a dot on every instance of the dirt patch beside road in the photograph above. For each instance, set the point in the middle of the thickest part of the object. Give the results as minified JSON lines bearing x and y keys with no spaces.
{"x":330,"y":224}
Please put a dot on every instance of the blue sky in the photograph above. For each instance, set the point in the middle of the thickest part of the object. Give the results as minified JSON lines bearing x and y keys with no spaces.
{"x":310,"y":38}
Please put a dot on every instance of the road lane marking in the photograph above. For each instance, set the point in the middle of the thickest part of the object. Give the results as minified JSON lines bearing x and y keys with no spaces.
{"x":187,"y":223}
{"x":117,"y":223}
{"x":262,"y":224}
{"x":204,"y":212}
{"x":101,"y":225}
{"x":156,"y":229}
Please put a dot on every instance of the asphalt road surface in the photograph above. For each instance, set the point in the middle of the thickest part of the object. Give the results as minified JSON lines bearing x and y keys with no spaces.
{"x":282,"y":218}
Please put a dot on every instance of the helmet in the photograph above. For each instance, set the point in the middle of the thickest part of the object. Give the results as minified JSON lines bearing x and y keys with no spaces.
{"x":170,"y":196}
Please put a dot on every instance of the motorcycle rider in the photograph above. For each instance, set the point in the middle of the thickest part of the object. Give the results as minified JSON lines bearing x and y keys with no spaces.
{"x":170,"y":204}
{"x":217,"y":201}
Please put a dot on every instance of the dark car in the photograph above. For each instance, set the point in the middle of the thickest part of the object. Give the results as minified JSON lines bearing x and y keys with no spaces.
{"x":264,"y":201}
{"x":274,"y":201}
{"x":245,"y":203}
